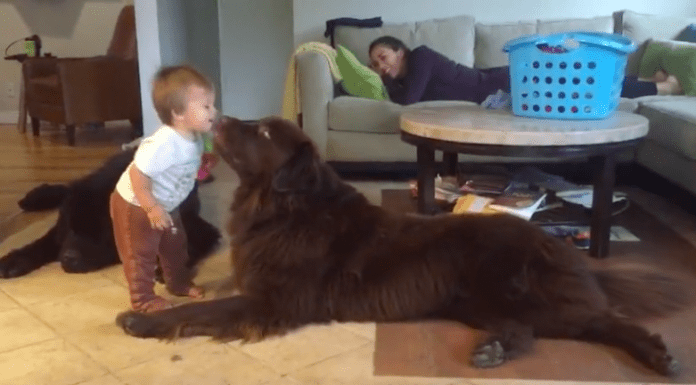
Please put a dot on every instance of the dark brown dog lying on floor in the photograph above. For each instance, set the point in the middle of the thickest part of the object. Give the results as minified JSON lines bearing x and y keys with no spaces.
{"x":308,"y":248}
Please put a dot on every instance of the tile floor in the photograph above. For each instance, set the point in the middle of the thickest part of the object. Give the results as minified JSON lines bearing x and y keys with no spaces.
{"x":59,"y":329}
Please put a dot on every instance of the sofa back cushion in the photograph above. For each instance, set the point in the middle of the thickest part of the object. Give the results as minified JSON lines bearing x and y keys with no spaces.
{"x":641,"y":27}
{"x":595,"y":24}
{"x":453,"y":37}
{"x":490,"y":39}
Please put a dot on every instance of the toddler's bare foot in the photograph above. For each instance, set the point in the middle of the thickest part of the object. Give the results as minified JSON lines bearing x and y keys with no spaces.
{"x":156,"y":304}
{"x":195,"y":292}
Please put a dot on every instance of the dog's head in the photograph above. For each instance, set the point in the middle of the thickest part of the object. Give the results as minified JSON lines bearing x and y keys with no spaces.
{"x":272,"y":150}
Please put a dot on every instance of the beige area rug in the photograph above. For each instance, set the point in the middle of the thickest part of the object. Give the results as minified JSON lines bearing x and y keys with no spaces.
{"x":442,"y":349}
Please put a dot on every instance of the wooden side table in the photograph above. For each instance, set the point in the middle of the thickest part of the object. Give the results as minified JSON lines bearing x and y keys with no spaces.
{"x":22,"y":119}
{"x":497,"y":133}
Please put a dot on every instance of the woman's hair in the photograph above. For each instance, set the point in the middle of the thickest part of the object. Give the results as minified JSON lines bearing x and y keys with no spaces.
{"x":391,"y":42}
{"x":170,"y":89}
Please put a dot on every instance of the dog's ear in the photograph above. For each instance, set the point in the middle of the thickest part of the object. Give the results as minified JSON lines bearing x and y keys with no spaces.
{"x":299,"y":173}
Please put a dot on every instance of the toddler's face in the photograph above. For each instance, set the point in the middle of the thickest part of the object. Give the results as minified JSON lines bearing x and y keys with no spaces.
{"x":200,"y":111}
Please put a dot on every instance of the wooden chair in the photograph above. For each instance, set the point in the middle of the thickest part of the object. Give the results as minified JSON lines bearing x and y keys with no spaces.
{"x":77,"y":91}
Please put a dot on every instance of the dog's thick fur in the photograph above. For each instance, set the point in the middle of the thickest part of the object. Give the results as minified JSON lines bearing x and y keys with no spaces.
{"x":82,"y":239}
{"x":308,"y":248}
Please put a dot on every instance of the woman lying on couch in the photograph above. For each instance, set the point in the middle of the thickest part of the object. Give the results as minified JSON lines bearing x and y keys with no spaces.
{"x":422,"y":74}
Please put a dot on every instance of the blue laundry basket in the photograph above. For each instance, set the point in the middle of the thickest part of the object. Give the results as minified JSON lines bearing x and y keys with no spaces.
{"x":573,"y":75}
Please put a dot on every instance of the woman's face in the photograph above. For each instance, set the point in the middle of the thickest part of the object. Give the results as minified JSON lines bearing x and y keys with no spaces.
{"x":387,"y":62}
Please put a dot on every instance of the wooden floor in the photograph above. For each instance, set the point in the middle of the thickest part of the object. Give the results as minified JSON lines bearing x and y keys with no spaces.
{"x":27,"y":161}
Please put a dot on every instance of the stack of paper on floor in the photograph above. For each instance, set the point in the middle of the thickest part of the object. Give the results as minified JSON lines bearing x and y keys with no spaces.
{"x":518,"y":200}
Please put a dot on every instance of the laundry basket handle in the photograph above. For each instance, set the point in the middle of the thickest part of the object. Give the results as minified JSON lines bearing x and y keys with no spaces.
{"x":612,"y":41}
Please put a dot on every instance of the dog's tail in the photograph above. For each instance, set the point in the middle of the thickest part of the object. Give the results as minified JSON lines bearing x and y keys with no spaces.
{"x":638,"y":290}
{"x":44,"y":197}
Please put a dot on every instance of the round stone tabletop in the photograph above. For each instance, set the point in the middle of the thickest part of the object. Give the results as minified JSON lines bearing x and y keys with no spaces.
{"x":476,"y":125}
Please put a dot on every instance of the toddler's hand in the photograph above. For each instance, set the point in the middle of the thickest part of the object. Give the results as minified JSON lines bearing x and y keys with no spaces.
{"x":159,"y":218}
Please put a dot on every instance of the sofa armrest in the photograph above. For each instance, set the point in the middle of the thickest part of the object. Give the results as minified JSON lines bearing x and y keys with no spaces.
{"x":316,"y":91}
{"x":99,"y":88}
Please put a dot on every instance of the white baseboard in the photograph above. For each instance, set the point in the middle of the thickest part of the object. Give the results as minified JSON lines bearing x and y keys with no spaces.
{"x":9,"y":117}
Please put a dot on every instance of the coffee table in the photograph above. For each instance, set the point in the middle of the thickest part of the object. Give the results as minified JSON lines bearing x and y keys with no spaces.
{"x":474,"y":130}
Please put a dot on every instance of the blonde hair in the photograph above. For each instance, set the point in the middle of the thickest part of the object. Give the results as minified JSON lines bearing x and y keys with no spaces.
{"x":170,"y":89}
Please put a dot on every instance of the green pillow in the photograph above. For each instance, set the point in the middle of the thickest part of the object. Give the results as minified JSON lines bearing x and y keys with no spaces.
{"x":359,"y":80}
{"x":675,"y":58}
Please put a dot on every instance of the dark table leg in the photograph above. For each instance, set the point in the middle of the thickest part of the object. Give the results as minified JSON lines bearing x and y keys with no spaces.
{"x":450,"y":161}
{"x":426,"y":179}
{"x":600,"y":223}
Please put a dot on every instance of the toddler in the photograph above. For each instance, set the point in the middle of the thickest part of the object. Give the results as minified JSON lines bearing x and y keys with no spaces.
{"x":144,"y":205}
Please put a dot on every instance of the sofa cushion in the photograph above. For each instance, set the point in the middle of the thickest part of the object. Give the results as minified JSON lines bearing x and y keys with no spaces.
{"x":347,"y":113}
{"x":490,"y":39}
{"x":674,"y":57}
{"x":358,"y":40}
{"x":672,"y":123}
{"x":359,"y":80}
{"x":351,"y":114}
{"x":452,"y":37}
{"x":597,"y":24}
{"x":641,"y":27}
{"x":667,"y":163}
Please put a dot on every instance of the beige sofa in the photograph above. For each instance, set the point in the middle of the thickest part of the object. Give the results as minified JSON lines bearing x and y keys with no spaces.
{"x":352,"y":129}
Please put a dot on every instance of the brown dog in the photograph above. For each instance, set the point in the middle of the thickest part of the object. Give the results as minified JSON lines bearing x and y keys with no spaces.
{"x":308,"y":248}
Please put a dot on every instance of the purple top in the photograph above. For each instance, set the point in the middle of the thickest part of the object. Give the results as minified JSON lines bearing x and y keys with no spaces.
{"x":432,"y":76}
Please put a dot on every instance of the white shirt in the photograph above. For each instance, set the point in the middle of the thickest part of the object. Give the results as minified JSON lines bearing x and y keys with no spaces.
{"x":170,"y":161}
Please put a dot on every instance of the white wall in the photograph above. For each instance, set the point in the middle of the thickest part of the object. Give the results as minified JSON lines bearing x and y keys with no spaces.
{"x":310,"y":16}
{"x":84,"y":29}
{"x":203,"y":40}
{"x":172,"y":32}
{"x":171,"y":17}
{"x":256,"y":41}
{"x":149,"y":58}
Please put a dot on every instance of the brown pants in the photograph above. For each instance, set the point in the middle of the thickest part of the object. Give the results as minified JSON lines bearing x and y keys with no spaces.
{"x":138,"y":245}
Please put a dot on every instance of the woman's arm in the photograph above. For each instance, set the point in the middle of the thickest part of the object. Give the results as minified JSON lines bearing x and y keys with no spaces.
{"x":420,"y":65}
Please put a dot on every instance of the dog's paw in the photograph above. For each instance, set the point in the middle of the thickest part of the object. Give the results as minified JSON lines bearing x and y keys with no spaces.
{"x":141,"y":325}
{"x":667,"y":365}
{"x":15,"y":265}
{"x":488,"y":355}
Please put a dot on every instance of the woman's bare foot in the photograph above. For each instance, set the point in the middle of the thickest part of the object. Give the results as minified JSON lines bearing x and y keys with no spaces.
{"x":660,"y":76}
{"x":670,"y":86}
